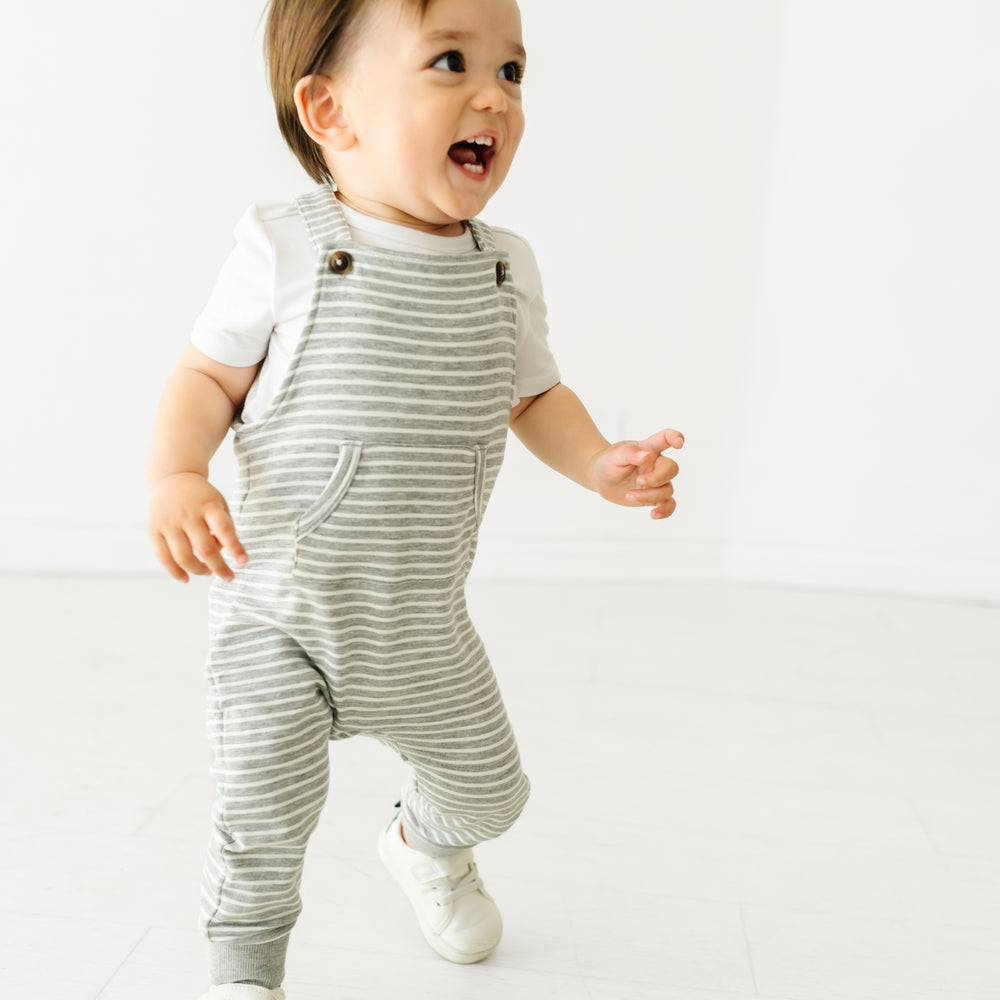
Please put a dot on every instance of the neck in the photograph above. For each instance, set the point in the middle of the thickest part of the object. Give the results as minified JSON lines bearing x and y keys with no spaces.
{"x":385,"y":213}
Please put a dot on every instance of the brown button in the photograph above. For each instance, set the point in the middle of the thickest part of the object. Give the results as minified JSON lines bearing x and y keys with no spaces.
{"x":340,"y":262}
{"x":501,"y":272}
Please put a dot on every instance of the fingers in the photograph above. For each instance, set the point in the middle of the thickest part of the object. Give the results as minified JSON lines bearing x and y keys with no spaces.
{"x":660,"y":509}
{"x":664,"y":471}
{"x":184,"y":549}
{"x":655,"y":488}
{"x":638,"y":475}
{"x":661,"y":441}
{"x":207,"y":552}
{"x":644,"y":454}
{"x":162,"y":549}
{"x":659,"y":498}
{"x":663,"y":510}
{"x":224,"y":531}
{"x":196,"y":549}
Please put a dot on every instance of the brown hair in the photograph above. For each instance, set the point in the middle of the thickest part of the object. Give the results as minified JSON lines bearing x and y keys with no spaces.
{"x":303,"y":37}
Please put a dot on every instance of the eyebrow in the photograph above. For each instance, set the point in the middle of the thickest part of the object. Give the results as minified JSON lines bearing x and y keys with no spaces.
{"x":454,"y":35}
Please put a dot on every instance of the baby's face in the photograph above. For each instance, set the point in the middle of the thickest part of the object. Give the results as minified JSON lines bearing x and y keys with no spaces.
{"x":435,"y":105}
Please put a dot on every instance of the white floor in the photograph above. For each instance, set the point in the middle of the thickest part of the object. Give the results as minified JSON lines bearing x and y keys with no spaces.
{"x":738,"y":793}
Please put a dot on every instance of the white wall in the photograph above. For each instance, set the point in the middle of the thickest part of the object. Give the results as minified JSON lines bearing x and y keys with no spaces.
{"x":770,"y":224}
{"x":872,"y":391}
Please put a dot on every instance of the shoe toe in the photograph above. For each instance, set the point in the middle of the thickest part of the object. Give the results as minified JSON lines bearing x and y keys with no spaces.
{"x":475,"y":928}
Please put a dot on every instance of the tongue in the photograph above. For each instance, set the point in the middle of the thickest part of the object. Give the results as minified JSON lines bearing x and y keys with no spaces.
{"x":461,"y":153}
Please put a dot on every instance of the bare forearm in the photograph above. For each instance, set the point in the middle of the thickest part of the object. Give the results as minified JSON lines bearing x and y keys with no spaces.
{"x":556,"y":428}
{"x":192,"y":421}
{"x":189,"y":520}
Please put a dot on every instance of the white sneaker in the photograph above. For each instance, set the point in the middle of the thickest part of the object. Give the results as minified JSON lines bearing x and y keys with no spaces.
{"x":457,"y":916}
{"x":241,"y":991}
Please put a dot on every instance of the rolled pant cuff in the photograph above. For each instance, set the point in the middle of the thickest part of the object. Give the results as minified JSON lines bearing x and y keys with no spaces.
{"x":420,"y":843}
{"x":428,"y":847}
{"x":263,"y":964}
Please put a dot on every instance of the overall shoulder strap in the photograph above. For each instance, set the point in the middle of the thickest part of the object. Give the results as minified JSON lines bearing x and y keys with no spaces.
{"x":483,"y":236}
{"x":324,"y":218}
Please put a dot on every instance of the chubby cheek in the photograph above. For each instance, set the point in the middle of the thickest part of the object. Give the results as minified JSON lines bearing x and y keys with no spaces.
{"x":515,"y":127}
{"x":515,"y":132}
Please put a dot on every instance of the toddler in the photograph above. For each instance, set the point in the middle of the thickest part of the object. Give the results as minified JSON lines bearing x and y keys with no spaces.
{"x":370,"y":345}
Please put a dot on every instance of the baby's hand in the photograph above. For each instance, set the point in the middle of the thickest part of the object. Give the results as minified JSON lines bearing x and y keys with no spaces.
{"x":190,"y":525}
{"x":636,"y":474}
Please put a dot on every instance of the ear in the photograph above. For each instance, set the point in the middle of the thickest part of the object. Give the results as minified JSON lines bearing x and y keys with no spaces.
{"x":322,"y":114}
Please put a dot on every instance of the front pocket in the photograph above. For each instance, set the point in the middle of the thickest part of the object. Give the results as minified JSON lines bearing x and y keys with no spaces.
{"x":393,"y":514}
{"x":334,"y":491}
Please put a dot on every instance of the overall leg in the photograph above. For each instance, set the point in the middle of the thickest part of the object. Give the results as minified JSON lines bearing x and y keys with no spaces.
{"x":467,"y":785}
{"x":269,"y":724}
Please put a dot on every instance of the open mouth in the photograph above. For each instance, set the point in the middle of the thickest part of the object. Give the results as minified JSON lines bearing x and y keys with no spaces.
{"x":473,"y":154}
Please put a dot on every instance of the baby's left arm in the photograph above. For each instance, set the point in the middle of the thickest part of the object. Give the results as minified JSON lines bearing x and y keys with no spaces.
{"x":556,"y":427}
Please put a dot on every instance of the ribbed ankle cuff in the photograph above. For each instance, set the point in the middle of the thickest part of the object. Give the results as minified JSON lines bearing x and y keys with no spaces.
{"x":263,"y":964}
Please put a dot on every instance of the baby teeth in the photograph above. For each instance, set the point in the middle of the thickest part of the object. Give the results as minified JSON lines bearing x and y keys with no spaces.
{"x":480,"y":140}
{"x":475,"y":168}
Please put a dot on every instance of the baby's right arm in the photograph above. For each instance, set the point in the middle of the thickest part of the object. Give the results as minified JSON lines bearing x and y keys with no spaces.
{"x":189,"y":521}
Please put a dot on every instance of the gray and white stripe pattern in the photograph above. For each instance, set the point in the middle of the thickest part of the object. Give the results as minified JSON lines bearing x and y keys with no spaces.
{"x":359,"y":500}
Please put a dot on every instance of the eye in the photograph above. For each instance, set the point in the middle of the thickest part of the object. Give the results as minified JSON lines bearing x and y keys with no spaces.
{"x":512,"y":72}
{"x":451,"y":62}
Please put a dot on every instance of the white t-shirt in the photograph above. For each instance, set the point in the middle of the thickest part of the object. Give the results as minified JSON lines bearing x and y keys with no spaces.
{"x":262,"y":298}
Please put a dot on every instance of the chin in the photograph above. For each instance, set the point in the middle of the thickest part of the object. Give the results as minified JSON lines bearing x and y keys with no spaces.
{"x":468,"y":208}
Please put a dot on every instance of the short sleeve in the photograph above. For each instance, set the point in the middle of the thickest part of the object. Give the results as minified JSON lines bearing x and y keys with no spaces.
{"x":235,"y":326}
{"x":536,"y":370}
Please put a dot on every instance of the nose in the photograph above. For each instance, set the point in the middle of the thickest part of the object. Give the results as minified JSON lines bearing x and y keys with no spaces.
{"x":490,"y":96}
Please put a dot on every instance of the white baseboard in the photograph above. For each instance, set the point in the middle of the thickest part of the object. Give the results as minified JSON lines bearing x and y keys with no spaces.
{"x":525,"y":556}
{"x":920,"y":574}
{"x":629,"y":558}
{"x":28,"y":547}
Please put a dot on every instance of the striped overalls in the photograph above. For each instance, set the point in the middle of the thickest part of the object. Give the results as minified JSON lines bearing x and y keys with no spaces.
{"x":359,"y":498}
